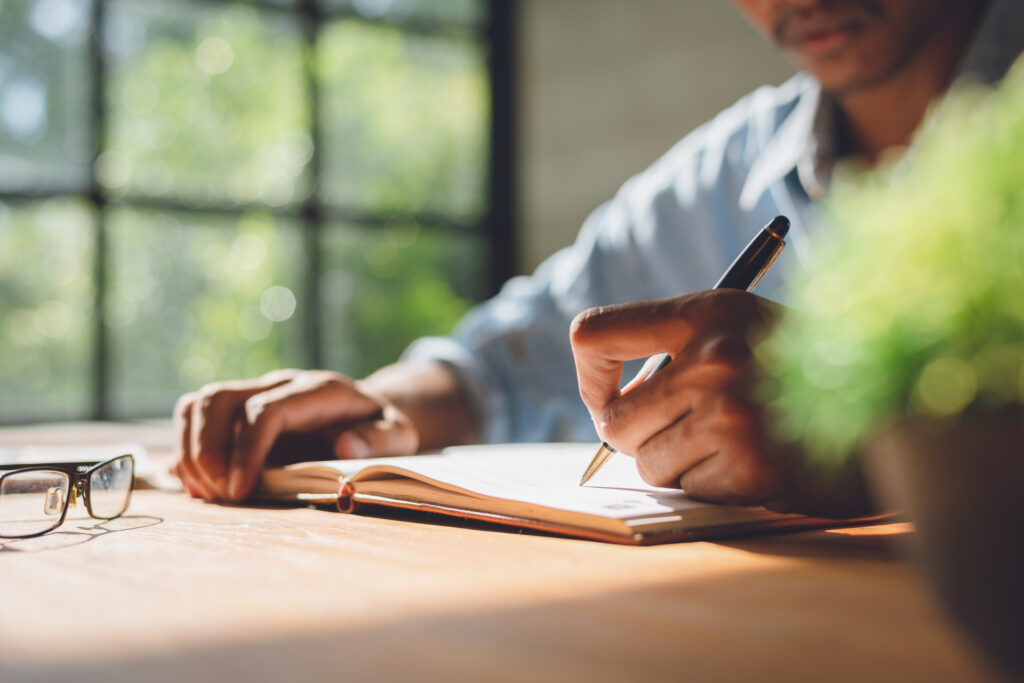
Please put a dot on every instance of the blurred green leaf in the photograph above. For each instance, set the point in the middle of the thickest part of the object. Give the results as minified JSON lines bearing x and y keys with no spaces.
{"x":914,"y":307}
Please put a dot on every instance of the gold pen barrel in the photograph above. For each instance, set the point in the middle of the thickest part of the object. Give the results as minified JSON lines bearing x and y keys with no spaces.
{"x":600,"y":458}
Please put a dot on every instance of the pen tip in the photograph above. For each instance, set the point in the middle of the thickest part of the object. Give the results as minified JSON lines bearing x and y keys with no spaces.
{"x":779,"y":226}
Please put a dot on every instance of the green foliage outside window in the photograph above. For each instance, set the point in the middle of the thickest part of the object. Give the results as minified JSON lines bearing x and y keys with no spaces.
{"x":376,"y":111}
{"x":46,"y":307}
{"x":209,"y":162}
{"x":384,"y":288}
{"x":208,"y":105}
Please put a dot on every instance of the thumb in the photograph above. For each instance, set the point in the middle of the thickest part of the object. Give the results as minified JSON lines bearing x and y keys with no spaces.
{"x":604,"y":338}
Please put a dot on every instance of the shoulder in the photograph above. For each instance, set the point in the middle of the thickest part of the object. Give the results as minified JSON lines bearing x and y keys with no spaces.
{"x":736,"y":135}
{"x":673,"y":223}
{"x":681,"y":217}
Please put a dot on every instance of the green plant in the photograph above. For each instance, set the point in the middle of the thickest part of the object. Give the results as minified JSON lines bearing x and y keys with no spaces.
{"x":915,"y":304}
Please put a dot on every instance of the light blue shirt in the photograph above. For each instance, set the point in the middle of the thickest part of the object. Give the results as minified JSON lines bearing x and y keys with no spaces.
{"x":670,"y":230}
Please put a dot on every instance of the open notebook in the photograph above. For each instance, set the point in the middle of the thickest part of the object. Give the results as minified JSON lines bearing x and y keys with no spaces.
{"x":525,"y":485}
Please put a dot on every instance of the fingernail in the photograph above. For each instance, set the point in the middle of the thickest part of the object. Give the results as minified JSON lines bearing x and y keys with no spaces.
{"x":235,"y":485}
{"x":352,"y":446}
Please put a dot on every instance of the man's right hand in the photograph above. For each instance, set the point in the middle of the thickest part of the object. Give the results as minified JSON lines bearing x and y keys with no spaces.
{"x":226,"y":430}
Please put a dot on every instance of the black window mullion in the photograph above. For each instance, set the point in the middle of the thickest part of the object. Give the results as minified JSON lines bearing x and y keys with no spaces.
{"x":500,"y":229}
{"x":100,"y":408}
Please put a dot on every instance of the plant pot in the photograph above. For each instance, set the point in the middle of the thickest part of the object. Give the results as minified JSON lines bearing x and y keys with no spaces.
{"x":962,"y":485}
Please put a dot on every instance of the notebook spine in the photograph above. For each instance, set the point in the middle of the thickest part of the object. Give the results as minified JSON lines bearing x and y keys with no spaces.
{"x":346,"y":502}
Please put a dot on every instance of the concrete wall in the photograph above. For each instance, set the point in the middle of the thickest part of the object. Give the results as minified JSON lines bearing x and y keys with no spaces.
{"x":607,"y":86}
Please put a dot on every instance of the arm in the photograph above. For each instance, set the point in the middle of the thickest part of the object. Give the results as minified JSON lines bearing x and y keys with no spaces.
{"x":227,"y":431}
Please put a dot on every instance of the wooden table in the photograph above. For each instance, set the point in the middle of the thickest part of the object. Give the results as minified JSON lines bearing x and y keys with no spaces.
{"x":181,"y":590}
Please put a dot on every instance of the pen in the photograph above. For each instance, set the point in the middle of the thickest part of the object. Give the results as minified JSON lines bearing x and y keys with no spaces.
{"x":744,"y":273}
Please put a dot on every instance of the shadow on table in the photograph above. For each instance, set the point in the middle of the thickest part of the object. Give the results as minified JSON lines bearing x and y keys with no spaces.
{"x":85,"y":530}
{"x":782,"y":624}
{"x":885,"y":541}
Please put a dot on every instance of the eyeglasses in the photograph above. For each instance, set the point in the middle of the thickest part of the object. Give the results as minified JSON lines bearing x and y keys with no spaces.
{"x":34,"y":499}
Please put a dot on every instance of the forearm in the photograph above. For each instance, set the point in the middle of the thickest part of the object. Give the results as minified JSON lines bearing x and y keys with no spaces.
{"x":430,"y":396}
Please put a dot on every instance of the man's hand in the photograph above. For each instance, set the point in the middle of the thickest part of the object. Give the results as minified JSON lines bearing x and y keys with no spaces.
{"x":227,"y":430}
{"x":694,"y":423}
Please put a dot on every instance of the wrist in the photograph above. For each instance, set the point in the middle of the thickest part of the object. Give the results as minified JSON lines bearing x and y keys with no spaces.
{"x":430,"y":396}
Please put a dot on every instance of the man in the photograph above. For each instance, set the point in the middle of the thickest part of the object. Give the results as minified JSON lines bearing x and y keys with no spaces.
{"x":871,"y":69}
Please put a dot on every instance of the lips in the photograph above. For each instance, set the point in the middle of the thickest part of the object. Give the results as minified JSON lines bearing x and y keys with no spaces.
{"x":819,"y":38}
{"x":827,"y":39}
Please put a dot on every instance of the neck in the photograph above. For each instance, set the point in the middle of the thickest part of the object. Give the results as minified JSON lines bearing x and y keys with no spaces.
{"x":884,"y":116}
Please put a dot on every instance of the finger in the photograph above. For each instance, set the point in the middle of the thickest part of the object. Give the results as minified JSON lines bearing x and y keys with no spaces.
{"x":716,"y":454}
{"x":182,"y":422}
{"x":604,"y":338}
{"x":719,"y":422}
{"x":634,"y":418}
{"x":392,"y":435}
{"x":733,"y":478}
{"x":182,"y":417}
{"x":311,"y":402}
{"x":665,"y":456}
{"x":188,"y":483}
{"x":191,"y":483}
{"x":214,"y":414}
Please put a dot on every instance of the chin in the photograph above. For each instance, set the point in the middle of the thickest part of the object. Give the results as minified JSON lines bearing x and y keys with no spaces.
{"x":844,"y":75}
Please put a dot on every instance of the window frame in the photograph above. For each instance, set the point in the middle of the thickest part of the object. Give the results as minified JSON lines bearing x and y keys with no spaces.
{"x":496,"y":224}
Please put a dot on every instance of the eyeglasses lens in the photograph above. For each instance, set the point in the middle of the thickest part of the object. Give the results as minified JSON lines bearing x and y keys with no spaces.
{"x":110,"y":488}
{"x":32,"y":502}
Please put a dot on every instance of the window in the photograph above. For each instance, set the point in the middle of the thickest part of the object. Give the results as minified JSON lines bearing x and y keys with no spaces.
{"x":193,"y":191}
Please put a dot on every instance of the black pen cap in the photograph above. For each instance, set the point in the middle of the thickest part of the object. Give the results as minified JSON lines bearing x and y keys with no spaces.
{"x":778,"y":227}
{"x":754,"y":261}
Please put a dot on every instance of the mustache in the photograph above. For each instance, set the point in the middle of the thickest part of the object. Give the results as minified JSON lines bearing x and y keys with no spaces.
{"x":795,"y":22}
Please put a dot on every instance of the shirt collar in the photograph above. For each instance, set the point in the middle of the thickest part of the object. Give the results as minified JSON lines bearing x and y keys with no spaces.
{"x":803,"y":135}
{"x":806,"y":141}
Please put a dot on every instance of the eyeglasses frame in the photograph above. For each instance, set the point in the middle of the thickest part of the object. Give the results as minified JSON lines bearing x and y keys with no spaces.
{"x":78,"y":472}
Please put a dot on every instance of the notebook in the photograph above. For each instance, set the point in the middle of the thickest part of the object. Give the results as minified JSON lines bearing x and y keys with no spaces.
{"x":532,"y":486}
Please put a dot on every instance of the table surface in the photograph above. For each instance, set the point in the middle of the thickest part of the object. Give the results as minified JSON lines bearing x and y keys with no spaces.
{"x":182,"y":590}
